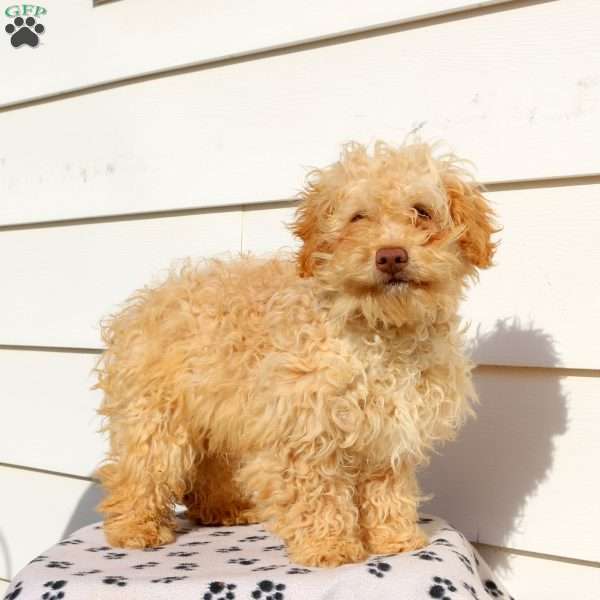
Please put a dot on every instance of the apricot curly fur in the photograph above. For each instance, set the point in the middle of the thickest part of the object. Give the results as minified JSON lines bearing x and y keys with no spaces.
{"x":302,"y":392}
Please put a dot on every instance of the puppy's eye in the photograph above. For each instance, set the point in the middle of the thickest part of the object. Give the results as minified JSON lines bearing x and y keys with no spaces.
{"x":357,"y":217}
{"x":422,"y":212}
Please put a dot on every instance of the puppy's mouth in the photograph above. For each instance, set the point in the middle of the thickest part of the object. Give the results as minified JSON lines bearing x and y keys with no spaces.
{"x":400,"y":282}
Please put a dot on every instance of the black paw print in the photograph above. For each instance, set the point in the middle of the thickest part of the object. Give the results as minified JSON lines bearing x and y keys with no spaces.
{"x":170,"y":579}
{"x":230,"y":549}
{"x":242,"y":561}
{"x":492,"y":589}
{"x":465,"y":561}
{"x":196,"y":544}
{"x":442,"y":542}
{"x":186,"y":566}
{"x":254,"y":538}
{"x":298,"y":571}
{"x":151,"y":549}
{"x":98,"y":549}
{"x":40,"y":558}
{"x":24,"y":31}
{"x":182,"y":531}
{"x":268,"y":590}
{"x":83,"y":573}
{"x":268,"y":568}
{"x":115,"y":555}
{"x":428,"y":555}
{"x":273,"y":548}
{"x":14,"y":592}
{"x":424,"y":520}
{"x":73,"y":542}
{"x":55,"y":592}
{"x":59,"y":564}
{"x":147,"y":565}
{"x":378,"y":568}
{"x":217,"y":590}
{"x":221,"y":533}
{"x":440,"y":588}
{"x":115,"y":580}
{"x":182,"y":554}
{"x":471,"y":590}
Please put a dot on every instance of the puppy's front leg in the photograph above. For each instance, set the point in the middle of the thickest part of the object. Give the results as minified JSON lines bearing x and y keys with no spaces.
{"x":309,"y":502}
{"x":389,"y":500}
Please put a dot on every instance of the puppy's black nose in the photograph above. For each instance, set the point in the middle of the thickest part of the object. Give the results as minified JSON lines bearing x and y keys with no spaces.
{"x":391,"y":260}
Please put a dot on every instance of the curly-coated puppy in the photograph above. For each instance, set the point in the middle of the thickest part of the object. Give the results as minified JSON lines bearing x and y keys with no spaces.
{"x":302,"y":393}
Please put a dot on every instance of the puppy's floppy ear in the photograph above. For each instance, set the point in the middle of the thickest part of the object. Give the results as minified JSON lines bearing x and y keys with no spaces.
{"x":315,"y":206}
{"x":468,"y":208}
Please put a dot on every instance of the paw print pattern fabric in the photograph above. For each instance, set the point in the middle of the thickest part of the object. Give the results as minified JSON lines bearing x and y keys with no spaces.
{"x":248,"y":563}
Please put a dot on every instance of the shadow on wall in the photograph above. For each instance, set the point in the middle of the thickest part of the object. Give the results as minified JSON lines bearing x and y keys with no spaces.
{"x":85,"y":512}
{"x":481,"y":482}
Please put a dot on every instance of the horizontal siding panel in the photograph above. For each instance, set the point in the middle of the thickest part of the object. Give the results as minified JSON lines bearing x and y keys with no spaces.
{"x":225,"y":135}
{"x":511,"y":473}
{"x":140,"y":42}
{"x":515,"y":474}
{"x":536,"y":578}
{"x":526,"y":310}
{"x":51,"y":422}
{"x":39,"y":510}
{"x":65,"y":279}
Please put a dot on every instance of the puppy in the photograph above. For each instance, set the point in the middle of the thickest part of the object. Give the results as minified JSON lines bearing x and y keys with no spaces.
{"x":302,"y":392}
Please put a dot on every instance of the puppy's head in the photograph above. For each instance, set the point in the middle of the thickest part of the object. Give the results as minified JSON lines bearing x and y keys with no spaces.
{"x":399,"y":230}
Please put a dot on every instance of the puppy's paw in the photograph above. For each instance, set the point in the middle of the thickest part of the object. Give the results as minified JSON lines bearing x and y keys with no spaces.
{"x":124,"y":534}
{"x":329,"y":553}
{"x":394,"y":542}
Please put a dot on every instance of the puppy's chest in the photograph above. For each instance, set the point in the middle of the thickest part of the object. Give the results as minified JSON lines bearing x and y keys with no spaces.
{"x":390,"y":365}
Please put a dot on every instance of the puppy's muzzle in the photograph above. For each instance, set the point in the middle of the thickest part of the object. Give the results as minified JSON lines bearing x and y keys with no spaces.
{"x":391,"y":260}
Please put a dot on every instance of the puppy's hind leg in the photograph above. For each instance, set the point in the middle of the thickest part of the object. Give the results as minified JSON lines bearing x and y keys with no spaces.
{"x":216,"y":498}
{"x":149,"y":472}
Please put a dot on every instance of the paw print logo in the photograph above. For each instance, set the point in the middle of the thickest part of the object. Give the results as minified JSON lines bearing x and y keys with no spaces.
{"x":98,"y":549}
{"x":118,"y":580}
{"x":220,"y":533}
{"x":59,"y":564}
{"x":242,"y":561}
{"x":40,"y":558}
{"x":378,"y":568}
{"x":442,"y":542}
{"x":441,"y":588}
{"x":427,"y":555}
{"x":273,"y":548}
{"x":217,"y":590}
{"x":254,"y":538}
{"x":12,"y":595}
{"x":492,"y":589}
{"x":55,"y":591}
{"x":268,"y":590}
{"x":84,"y":573}
{"x":24,"y":31}
{"x":182,"y":554}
